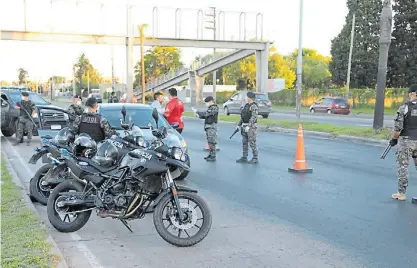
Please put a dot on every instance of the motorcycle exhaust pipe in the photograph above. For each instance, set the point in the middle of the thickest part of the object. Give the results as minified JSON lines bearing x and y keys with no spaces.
{"x":76,"y":203}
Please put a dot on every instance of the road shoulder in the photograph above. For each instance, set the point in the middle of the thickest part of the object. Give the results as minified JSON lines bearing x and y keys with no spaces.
{"x":21,"y":220}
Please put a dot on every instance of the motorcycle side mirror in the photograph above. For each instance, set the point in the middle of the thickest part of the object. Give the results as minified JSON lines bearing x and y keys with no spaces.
{"x":155,"y":116}
{"x":124,"y":113}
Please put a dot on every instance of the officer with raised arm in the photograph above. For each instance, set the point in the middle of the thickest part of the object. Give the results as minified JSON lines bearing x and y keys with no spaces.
{"x":210,"y":126}
{"x":248,"y":125}
{"x":91,"y":123}
{"x":405,"y":134}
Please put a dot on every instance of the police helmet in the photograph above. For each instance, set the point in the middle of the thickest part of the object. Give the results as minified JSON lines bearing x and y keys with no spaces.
{"x":84,"y":146}
{"x":64,"y":136}
{"x":107,"y":154}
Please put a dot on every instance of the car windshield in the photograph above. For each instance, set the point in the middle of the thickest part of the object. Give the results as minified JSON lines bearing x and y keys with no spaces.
{"x":263,"y":97}
{"x":140,"y":116}
{"x":35,"y":98}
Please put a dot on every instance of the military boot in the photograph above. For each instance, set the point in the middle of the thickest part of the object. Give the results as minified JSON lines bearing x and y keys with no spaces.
{"x":254,"y":161}
{"x":399,"y":196}
{"x":242,"y":160}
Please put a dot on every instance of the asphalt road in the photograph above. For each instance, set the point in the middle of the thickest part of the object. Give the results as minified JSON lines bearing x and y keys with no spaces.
{"x":340,"y":120}
{"x":341,"y":215}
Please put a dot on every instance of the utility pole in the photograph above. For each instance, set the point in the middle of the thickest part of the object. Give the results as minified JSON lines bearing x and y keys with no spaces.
{"x":214,"y":28}
{"x":142,"y":59}
{"x":352,"y":36}
{"x":112,"y":68}
{"x":88,"y":82}
{"x":384,"y":44}
{"x":299,"y":62}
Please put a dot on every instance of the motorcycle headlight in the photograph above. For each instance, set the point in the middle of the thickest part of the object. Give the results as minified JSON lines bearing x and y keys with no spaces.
{"x":177,"y":154}
{"x":184,"y":144}
{"x":141,"y":142}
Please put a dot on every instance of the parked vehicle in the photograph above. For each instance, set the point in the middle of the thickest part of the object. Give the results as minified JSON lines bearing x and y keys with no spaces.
{"x":128,"y":185}
{"x":331,"y":105}
{"x":11,"y":114}
{"x":97,"y":96}
{"x":140,"y":114}
{"x":238,"y":100}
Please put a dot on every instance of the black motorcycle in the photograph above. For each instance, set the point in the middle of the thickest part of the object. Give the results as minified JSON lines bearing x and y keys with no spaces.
{"x":139,"y":183}
{"x":53,"y":173}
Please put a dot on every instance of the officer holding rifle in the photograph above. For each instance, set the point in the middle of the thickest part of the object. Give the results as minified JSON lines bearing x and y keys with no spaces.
{"x":405,"y":135}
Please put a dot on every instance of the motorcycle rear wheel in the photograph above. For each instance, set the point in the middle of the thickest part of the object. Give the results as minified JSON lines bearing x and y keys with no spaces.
{"x":159,"y":218}
{"x":54,"y":217}
{"x":35,"y":189}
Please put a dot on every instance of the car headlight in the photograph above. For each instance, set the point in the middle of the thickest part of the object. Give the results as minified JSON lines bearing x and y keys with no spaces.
{"x":177,"y":154}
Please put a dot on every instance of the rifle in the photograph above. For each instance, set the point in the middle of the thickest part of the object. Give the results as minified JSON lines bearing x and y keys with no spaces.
{"x":234,"y":133}
{"x":384,"y":154}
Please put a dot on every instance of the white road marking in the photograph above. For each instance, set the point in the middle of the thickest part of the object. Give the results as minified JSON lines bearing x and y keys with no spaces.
{"x":92,"y":260}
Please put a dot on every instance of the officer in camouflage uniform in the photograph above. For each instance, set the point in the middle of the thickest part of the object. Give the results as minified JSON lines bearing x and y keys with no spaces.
{"x":210,"y":126}
{"x":27,"y":109}
{"x":248,"y":125}
{"x":91,"y":123}
{"x":405,"y":134}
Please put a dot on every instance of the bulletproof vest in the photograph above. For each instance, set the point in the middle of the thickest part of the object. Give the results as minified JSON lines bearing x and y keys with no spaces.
{"x":246,"y":112}
{"x":90,"y":124}
{"x":211,"y":119}
{"x":25,"y":106}
{"x":410,"y":122}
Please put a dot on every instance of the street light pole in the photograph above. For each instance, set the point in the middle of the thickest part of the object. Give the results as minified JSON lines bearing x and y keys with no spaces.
{"x":214,"y":28}
{"x":352,"y":36}
{"x":299,"y":62}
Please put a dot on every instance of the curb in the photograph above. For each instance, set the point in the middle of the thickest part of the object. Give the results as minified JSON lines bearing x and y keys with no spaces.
{"x":54,"y":250}
{"x":314,"y":134}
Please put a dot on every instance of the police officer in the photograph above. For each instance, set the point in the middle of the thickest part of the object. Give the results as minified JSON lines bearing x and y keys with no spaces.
{"x":248,"y":127}
{"x":27,"y":109}
{"x":91,"y":123}
{"x":405,"y":134}
{"x":210,"y":126}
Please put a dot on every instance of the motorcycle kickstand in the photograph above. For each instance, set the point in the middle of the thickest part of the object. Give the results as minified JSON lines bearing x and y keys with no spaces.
{"x":126,"y":225}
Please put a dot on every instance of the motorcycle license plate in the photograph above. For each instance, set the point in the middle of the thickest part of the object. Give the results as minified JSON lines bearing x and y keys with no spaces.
{"x":56,"y":127}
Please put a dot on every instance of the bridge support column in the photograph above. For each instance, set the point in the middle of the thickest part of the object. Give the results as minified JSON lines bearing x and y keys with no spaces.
{"x":262,"y":69}
{"x":196,"y":87}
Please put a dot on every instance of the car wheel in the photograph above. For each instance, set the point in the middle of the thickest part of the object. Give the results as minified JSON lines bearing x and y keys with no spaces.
{"x":329,"y":112}
{"x":226,"y":111}
{"x":312,"y":111}
{"x":265,"y":116}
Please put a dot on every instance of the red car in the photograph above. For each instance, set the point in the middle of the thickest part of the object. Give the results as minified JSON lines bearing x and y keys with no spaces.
{"x":331,"y":105}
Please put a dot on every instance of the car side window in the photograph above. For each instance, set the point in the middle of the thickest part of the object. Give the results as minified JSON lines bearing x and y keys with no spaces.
{"x":234,"y":97}
{"x":327,"y":101}
{"x":4,"y":97}
{"x":320,"y":101}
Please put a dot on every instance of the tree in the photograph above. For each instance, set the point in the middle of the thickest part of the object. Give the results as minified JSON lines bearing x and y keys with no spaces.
{"x":365,"y":45}
{"x":158,"y":61}
{"x":85,"y":74}
{"x":402,"y":67}
{"x":22,"y":76}
{"x":279,"y":67}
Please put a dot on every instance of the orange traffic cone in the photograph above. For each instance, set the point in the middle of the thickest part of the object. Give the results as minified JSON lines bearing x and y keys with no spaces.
{"x":300,"y":164}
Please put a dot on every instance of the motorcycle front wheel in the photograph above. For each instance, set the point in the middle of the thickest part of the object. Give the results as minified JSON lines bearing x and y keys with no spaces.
{"x":195,"y":225}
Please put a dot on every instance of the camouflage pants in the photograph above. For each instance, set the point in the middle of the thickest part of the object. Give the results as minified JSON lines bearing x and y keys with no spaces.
{"x":249,"y":139}
{"x":211,"y":134}
{"x":406,"y":149}
{"x":24,"y":124}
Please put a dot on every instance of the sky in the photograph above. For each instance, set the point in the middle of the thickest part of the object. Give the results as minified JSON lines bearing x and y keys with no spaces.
{"x":322,"y":21}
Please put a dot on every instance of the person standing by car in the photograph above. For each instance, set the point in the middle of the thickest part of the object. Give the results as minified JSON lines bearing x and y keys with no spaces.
{"x":405,"y":134}
{"x":91,"y":123}
{"x":248,"y":125}
{"x":174,"y":110}
{"x":157,"y":103}
{"x":113,"y":98}
{"x":27,"y":109}
{"x":210,"y":126}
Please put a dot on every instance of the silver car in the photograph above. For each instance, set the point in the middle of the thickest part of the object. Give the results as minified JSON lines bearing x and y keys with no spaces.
{"x":238,"y":100}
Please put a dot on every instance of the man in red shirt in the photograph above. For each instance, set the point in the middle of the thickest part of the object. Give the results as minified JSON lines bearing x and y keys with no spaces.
{"x":174,"y":110}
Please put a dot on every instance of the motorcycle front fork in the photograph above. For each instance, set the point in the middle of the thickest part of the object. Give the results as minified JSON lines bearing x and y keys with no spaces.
{"x":174,"y":192}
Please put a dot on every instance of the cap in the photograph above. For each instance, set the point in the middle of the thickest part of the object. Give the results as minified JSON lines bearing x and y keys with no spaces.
{"x":208,"y":99}
{"x":91,"y":101}
{"x":412,"y":88}
{"x":251,"y":95}
{"x":25,"y":94}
